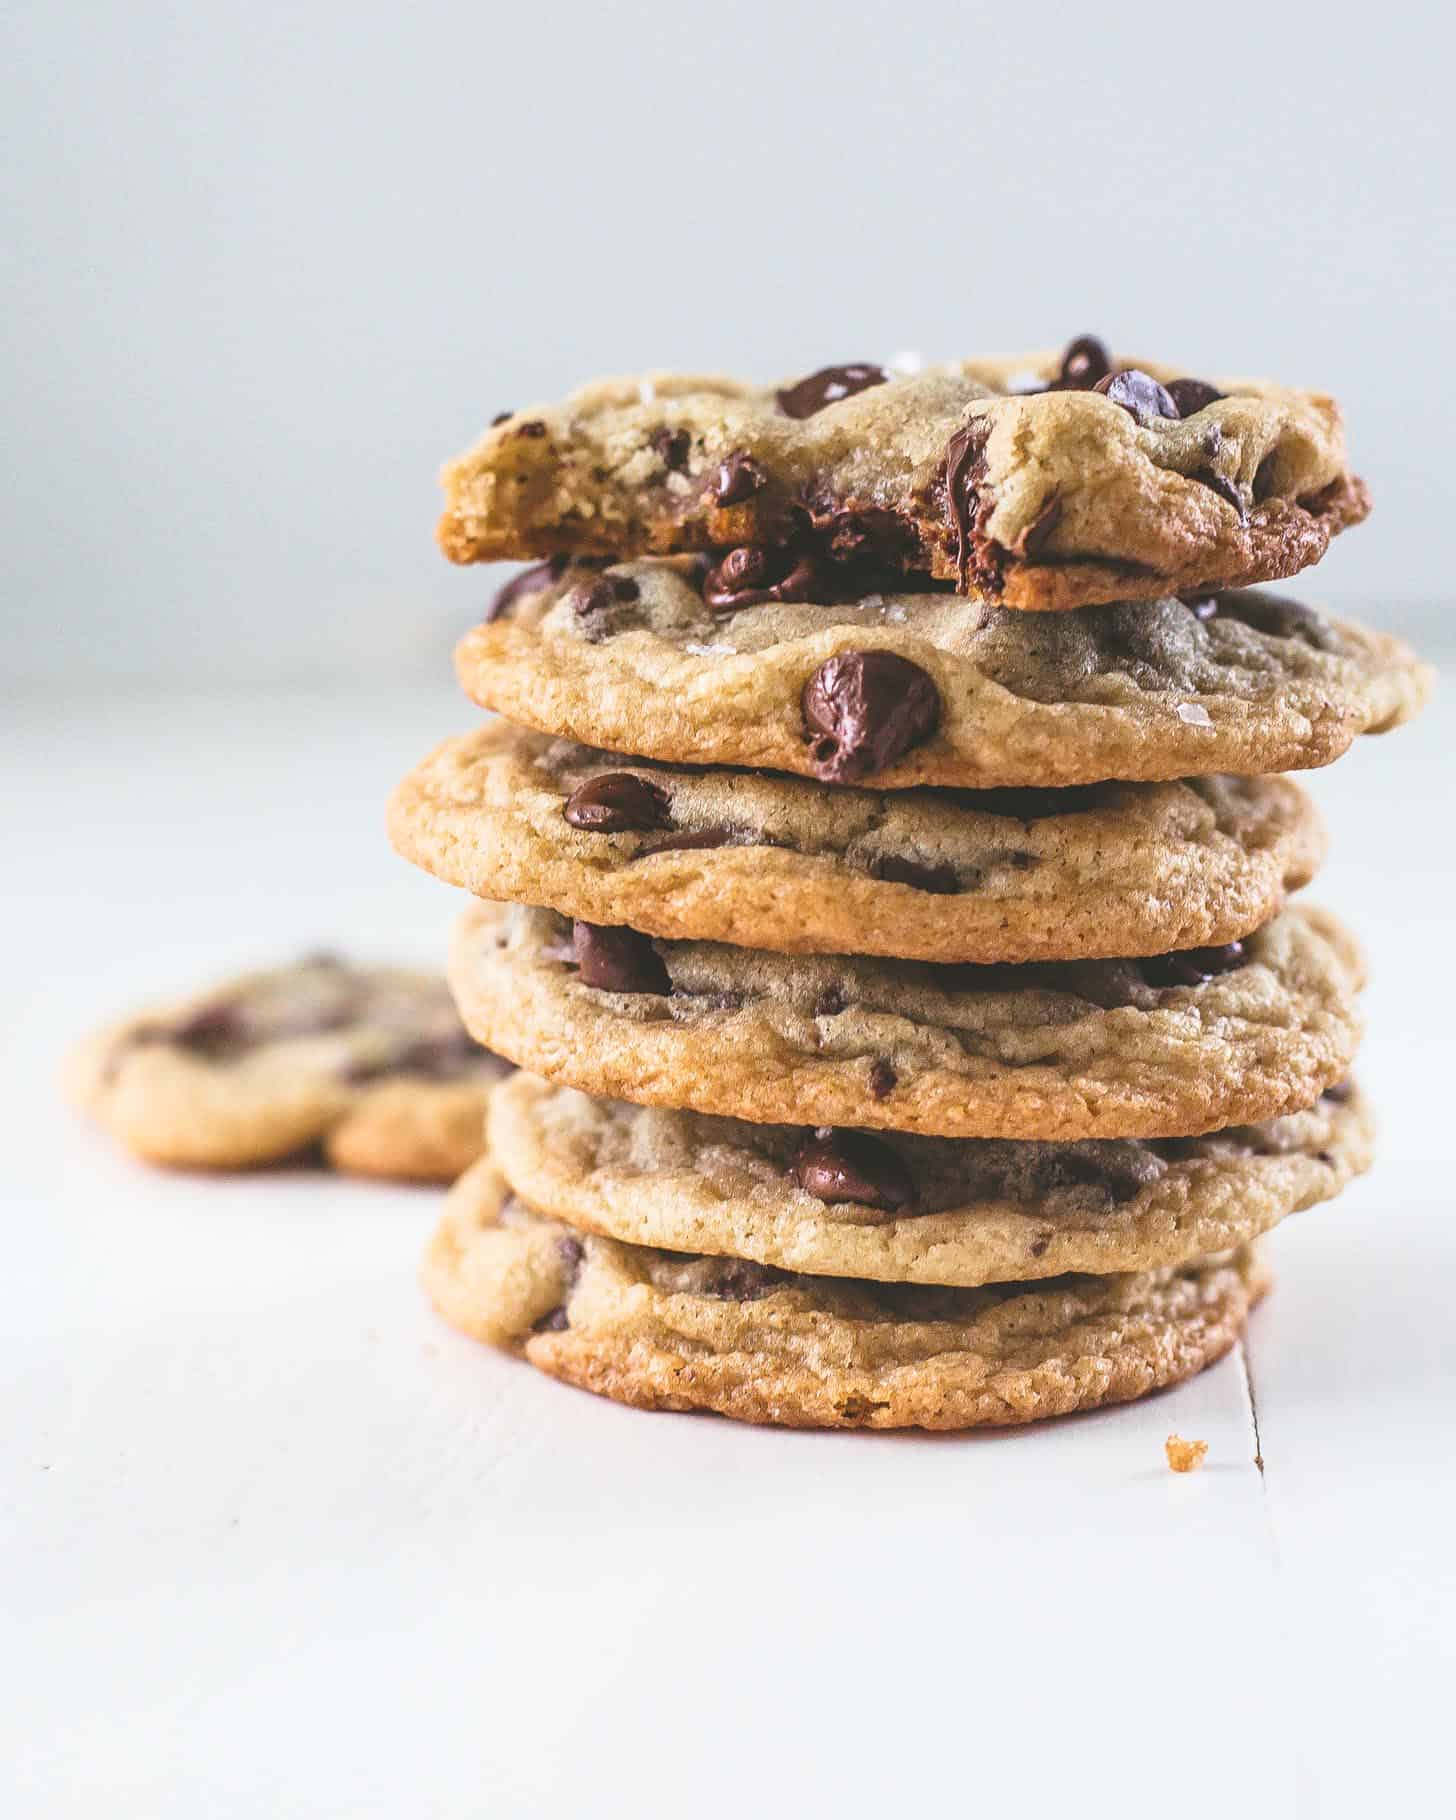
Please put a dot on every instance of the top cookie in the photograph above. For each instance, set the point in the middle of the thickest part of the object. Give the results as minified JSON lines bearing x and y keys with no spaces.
{"x":1048,"y":494}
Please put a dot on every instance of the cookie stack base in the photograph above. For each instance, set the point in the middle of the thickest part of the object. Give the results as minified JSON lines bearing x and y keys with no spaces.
{"x":667,"y":1330}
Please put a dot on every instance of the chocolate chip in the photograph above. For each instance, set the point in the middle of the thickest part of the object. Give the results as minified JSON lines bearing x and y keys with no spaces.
{"x":601,"y":593}
{"x":830,"y":1002}
{"x":211,"y":1032}
{"x":883,"y":1078}
{"x":1339,"y":1092}
{"x":739,"y":478}
{"x":1040,"y":1243}
{"x":529,"y":581}
{"x":671,"y":447}
{"x":1225,"y":489}
{"x":754,"y":573}
{"x":571,"y":1252}
{"x":855,"y":1167}
{"x":554,"y":1321}
{"x":743,"y":1280}
{"x":617,"y":802}
{"x":1034,"y":539}
{"x":500,"y":418}
{"x":1192,"y":395}
{"x":896,"y":870}
{"x":532,"y":429}
{"x":828,"y":386}
{"x":617,"y":959}
{"x":1139,"y":394}
{"x":863,"y":711}
{"x":1085,"y":362}
{"x":1192,"y":966}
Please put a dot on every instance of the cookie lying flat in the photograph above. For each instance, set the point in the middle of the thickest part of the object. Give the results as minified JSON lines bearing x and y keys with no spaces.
{"x":931,"y":689}
{"x":900,"y":1208}
{"x":1053,"y":1050}
{"x":661,"y":1330}
{"x":1048,"y":499}
{"x":372,"y":1062}
{"x":775,"y":862}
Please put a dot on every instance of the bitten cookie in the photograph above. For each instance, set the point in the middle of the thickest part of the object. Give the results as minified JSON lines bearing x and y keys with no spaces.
{"x":776,"y":862}
{"x":371,"y":1062}
{"x":1160,"y":1047}
{"x":888,"y":690}
{"x":900,"y":1208}
{"x":1092,"y":482}
{"x":663,"y":1330}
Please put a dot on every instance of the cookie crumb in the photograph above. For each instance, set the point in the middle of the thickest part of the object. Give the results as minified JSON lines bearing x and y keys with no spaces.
{"x":1184,"y":1456}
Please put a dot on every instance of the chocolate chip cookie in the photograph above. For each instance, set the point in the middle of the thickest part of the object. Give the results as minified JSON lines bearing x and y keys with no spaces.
{"x":1048,"y":481}
{"x":899,"y":1208}
{"x":889,"y":690}
{"x":777,"y":862}
{"x":1160,"y":1047}
{"x":370,"y":1063}
{"x":670,"y":1330}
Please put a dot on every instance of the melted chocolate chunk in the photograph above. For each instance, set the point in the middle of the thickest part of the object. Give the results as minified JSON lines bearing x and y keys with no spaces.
{"x":571,"y":1252}
{"x":671,"y":447}
{"x":529,"y":581}
{"x":863,"y":711}
{"x":828,"y":386}
{"x":1225,"y":489}
{"x":1118,"y":1172}
{"x":754,"y":573}
{"x":1139,"y":394}
{"x":964,"y":468}
{"x":830,"y":1002}
{"x":1192,"y":395}
{"x":883,"y":1078}
{"x":554,"y":1321}
{"x":1085,"y":362}
{"x":876,"y":539}
{"x":941,"y":880}
{"x":617,"y":802}
{"x":853,"y":1166}
{"x":604,"y":605}
{"x":739,"y":478}
{"x":617,"y":959}
{"x":1192,"y":966}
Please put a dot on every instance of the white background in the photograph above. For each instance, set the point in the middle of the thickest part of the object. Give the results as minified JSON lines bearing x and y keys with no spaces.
{"x":275,"y":1541}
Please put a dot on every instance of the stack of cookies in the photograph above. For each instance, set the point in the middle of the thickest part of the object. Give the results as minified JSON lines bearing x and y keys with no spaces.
{"x":885,"y":872}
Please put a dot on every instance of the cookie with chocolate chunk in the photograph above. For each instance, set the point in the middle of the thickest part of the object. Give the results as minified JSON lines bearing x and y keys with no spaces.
{"x":1048,"y":481}
{"x":777,"y":862}
{"x":896,"y":1207}
{"x":887,"y":690}
{"x":1164,"y":1046}
{"x":673,"y":1330}
{"x":371,"y":1064}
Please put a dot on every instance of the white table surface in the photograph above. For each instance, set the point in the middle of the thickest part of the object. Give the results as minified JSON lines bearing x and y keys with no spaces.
{"x":278,"y":1542}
